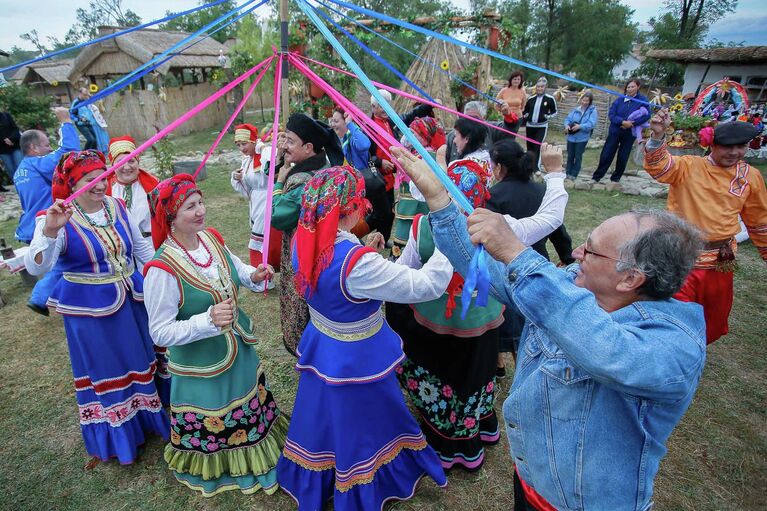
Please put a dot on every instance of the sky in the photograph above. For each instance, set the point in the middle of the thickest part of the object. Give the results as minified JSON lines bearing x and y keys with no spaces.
{"x":747,"y":24}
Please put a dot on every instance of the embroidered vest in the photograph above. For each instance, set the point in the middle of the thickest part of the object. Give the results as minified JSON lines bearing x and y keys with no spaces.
{"x":212,"y":356}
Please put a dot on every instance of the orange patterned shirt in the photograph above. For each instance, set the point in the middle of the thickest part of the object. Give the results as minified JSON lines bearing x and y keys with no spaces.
{"x":712,"y":197}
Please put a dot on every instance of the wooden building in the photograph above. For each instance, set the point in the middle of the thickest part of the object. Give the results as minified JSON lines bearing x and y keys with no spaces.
{"x":48,"y":78}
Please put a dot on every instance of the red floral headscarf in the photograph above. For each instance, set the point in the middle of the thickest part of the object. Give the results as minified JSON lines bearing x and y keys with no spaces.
{"x":72,"y":167}
{"x":430,"y":130}
{"x":471,"y":178}
{"x":165,"y":200}
{"x":331,"y":194}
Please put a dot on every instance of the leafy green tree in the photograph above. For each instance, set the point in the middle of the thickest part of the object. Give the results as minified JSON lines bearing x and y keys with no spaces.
{"x":98,"y":13}
{"x":196,"y":20}
{"x":29,"y":111}
{"x":683,"y":24}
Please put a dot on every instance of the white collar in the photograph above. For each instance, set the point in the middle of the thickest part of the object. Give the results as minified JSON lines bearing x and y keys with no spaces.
{"x":346,"y":236}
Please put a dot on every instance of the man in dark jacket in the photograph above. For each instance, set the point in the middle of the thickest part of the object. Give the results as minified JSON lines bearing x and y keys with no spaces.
{"x":10,"y":150}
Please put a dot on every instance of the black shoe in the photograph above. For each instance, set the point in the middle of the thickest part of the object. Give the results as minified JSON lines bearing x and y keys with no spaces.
{"x":40,"y":310}
{"x":500,"y":372}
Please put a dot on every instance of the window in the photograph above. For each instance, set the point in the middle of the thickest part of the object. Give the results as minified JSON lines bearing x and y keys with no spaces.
{"x":625,"y":73}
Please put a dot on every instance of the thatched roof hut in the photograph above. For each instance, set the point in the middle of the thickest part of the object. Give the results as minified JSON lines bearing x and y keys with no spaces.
{"x":432,"y":80}
{"x":742,"y":54}
{"x":123,"y":54}
{"x":47,"y":78}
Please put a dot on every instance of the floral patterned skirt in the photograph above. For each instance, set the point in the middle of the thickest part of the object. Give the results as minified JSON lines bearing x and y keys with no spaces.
{"x":226,"y":432}
{"x":294,"y":313}
{"x":451,"y":381}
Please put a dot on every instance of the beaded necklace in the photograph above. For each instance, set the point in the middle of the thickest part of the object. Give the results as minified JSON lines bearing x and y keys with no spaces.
{"x":189,"y":256}
{"x":223,"y":284}
{"x":88,"y":219}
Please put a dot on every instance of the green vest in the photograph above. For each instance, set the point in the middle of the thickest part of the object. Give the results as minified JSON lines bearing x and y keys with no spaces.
{"x":212,"y":356}
{"x":443,"y":315}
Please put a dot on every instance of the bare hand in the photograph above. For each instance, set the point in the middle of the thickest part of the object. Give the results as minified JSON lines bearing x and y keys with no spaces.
{"x":262,"y":273}
{"x":56,"y":217}
{"x":387,"y":166}
{"x":237,"y":175}
{"x":418,"y":170}
{"x":282,"y":175}
{"x":348,"y":118}
{"x":282,"y":142}
{"x":551,"y":157}
{"x":376,"y":241}
{"x":660,"y":123}
{"x":491,"y":230}
{"x":8,"y":141}
{"x":442,"y":156}
{"x":222,"y":314}
{"x":62,"y":114}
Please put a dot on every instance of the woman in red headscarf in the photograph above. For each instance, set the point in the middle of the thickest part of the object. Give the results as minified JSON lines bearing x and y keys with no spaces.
{"x":251,"y":181}
{"x":131,"y":183}
{"x":431,"y":135}
{"x":100,"y":297}
{"x":226,"y":430}
{"x":351,"y":437}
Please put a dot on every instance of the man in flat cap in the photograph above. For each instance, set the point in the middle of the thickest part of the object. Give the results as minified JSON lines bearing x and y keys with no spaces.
{"x":711,"y":192}
{"x":306,"y":146}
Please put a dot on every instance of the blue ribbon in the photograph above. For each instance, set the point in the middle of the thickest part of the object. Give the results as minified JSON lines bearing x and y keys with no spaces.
{"x":479,"y":49}
{"x":412,"y":54}
{"x":171,"y":52}
{"x":478,"y":276}
{"x":110,"y":36}
{"x":376,"y":56}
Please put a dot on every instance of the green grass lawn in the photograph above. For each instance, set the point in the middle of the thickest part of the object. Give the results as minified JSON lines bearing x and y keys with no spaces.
{"x":716,"y":456}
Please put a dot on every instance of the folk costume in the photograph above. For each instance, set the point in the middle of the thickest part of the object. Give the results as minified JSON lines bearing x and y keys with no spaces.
{"x":252,"y":185}
{"x":712,"y":197}
{"x":226,"y":431}
{"x":449,"y":373}
{"x":351,"y":437}
{"x":133,"y":194}
{"x":432,"y":136}
{"x":100,"y":297}
{"x":286,"y":206}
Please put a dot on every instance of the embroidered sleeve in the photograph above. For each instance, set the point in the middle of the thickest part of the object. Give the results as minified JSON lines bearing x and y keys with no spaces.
{"x":754,"y":213}
{"x":664,"y":167}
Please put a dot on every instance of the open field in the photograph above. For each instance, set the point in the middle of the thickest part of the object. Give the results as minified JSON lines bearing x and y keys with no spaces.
{"x":716,"y":460}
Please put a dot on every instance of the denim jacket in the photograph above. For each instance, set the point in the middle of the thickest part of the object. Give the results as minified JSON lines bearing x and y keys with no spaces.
{"x":595,"y":394}
{"x":587,"y":121}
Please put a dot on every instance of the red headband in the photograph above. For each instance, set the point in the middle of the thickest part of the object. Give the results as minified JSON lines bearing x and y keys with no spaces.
{"x":165,"y":200}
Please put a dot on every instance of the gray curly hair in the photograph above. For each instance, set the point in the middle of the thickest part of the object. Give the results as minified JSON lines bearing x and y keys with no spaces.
{"x":665,"y":252}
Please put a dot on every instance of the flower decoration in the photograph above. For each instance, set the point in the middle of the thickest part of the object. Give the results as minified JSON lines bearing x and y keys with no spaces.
{"x":658,"y":97}
{"x":706,"y":137}
{"x":677,"y":107}
{"x":561,"y":93}
{"x":93,"y":88}
{"x":582,"y":92}
{"x":445,"y":65}
{"x":55,"y":83}
{"x":678,"y":97}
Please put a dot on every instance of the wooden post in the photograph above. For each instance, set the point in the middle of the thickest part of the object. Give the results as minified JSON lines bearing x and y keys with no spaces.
{"x":485,"y":65}
{"x":285,"y":99}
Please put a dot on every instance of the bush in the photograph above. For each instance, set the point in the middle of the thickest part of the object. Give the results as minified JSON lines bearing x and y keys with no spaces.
{"x":29,"y":111}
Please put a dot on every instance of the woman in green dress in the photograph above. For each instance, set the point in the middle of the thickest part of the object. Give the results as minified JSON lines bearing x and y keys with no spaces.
{"x":226,"y":429}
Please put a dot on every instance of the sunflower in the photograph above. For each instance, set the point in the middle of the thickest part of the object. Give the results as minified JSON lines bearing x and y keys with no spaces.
{"x":445,"y":65}
{"x":93,"y":88}
{"x":678,"y":96}
{"x":55,"y":83}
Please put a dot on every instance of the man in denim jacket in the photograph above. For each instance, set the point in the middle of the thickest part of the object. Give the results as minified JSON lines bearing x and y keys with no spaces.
{"x":608,"y":362}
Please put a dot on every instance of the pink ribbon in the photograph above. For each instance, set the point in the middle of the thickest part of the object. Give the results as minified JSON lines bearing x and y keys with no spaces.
{"x":368,"y":125}
{"x":272,"y":164}
{"x":169,"y":128}
{"x":422,"y":100}
{"x":234,"y":115}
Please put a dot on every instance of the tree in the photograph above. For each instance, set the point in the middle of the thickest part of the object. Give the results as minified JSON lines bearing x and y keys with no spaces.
{"x":34,"y":38}
{"x":29,"y":111}
{"x":98,"y":13}
{"x":683,"y":24}
{"x":198,"y":19}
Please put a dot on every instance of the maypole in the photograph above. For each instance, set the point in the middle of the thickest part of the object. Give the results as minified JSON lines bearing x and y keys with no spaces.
{"x":284,"y":99}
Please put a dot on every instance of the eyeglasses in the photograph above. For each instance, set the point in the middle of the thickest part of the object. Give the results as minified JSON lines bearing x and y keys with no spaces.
{"x":587,"y":251}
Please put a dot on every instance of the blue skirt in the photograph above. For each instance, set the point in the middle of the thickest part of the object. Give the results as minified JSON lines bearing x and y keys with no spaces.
{"x":114,"y":365}
{"x":356,"y":443}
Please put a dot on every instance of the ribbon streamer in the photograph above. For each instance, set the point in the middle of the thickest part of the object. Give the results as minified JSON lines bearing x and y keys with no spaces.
{"x":169,"y":128}
{"x":479,"y":49}
{"x":477,"y":277}
{"x":414,"y":55}
{"x":109,"y":36}
{"x":237,"y":110}
{"x":421,"y":100}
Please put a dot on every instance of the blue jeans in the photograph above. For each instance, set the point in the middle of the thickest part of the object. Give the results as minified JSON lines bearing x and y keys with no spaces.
{"x":11,"y":161}
{"x":575,"y":152}
{"x":89,"y":134}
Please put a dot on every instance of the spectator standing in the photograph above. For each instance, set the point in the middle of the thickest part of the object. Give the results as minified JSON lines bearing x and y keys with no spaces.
{"x":82,"y":116}
{"x":10,"y":149}
{"x":578,"y":127}
{"x":538,"y":110}
{"x":514,"y":97}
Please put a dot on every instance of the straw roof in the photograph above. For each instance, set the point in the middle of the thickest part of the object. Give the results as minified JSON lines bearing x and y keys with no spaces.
{"x":433,"y":80}
{"x":126,"y":52}
{"x":50,"y":71}
{"x":735,"y":55}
